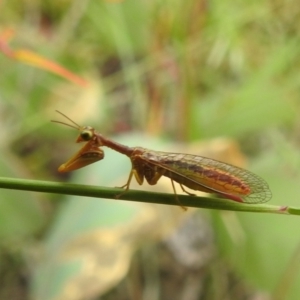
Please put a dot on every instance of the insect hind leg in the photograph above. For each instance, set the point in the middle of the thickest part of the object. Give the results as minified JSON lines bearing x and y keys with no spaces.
{"x":153,"y":174}
{"x":187,"y":192}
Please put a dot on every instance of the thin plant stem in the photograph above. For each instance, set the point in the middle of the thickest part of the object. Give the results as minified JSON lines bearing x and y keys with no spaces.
{"x":140,"y":196}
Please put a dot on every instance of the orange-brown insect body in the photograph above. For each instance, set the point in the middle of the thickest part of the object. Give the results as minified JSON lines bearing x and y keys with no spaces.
{"x":205,"y":174}
{"x":195,"y":172}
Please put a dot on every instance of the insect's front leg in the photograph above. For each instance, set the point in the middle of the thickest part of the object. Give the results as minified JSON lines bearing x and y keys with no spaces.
{"x":152,"y":175}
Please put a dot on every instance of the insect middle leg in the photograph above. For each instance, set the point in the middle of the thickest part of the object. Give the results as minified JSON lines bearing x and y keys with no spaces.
{"x":176,"y":197}
{"x":139,"y":176}
{"x":127,"y":184}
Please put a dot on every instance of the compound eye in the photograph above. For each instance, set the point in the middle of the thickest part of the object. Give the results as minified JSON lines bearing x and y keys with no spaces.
{"x":86,"y":135}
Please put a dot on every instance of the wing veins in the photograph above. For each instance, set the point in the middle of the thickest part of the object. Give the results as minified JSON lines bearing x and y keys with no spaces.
{"x":184,"y":176}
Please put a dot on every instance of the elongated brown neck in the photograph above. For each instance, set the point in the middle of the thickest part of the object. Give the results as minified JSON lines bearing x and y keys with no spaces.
{"x":115,"y":146}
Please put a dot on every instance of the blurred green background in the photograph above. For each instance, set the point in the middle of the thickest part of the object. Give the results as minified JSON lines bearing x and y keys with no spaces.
{"x":175,"y":72}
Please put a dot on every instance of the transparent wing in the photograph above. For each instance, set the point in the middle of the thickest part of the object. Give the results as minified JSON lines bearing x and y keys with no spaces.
{"x":214,"y":175}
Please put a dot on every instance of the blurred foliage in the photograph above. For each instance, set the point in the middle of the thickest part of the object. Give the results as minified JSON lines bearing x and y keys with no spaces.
{"x":177,"y":70}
